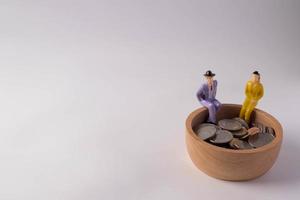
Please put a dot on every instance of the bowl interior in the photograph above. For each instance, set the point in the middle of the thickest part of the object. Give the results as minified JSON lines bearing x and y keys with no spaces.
{"x":228,"y":111}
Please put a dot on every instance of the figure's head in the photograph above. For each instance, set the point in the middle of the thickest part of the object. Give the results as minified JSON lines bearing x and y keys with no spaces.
{"x":255,"y":76}
{"x":209,"y":77}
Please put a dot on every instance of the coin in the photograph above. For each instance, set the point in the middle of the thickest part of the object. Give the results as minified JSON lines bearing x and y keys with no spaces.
{"x":260,"y":139}
{"x":234,"y":134}
{"x":260,"y":126}
{"x":230,"y":124}
{"x":245,"y":136}
{"x":243,"y":122}
{"x":222,"y":137}
{"x":253,"y":131}
{"x":264,"y":128}
{"x":240,"y":133}
{"x":271,"y":131}
{"x":206,"y":131}
{"x":239,"y":144}
{"x":234,"y":143}
{"x":245,"y":145}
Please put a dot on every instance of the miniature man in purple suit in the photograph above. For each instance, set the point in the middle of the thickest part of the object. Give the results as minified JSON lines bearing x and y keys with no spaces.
{"x":207,"y":96}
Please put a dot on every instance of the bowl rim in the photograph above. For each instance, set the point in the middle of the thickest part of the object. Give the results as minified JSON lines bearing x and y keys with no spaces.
{"x":277,"y":140}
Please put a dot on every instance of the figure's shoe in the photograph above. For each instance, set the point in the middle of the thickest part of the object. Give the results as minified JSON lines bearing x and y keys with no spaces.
{"x":210,"y":122}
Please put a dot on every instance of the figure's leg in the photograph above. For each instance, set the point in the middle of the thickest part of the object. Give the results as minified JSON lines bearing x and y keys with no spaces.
{"x":244,"y":107}
{"x":217,"y":105}
{"x":249,"y":110}
{"x":212,"y":113}
{"x":211,"y":110}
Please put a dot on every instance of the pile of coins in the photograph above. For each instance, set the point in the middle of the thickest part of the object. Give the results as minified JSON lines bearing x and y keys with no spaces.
{"x":236,"y":134}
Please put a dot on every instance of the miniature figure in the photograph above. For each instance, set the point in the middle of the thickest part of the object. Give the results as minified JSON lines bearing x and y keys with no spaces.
{"x":254,"y":91}
{"x":207,"y":96}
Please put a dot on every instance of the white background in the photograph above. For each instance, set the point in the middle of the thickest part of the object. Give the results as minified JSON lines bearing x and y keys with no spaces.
{"x":94,"y":95}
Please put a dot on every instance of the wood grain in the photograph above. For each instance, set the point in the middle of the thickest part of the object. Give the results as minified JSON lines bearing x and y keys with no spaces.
{"x":229,"y":164}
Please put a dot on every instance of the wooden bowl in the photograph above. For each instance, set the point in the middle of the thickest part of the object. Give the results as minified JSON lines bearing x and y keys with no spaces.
{"x":230,"y":164}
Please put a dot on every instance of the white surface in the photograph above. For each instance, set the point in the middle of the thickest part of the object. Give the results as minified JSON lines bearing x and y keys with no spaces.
{"x":94,"y":95}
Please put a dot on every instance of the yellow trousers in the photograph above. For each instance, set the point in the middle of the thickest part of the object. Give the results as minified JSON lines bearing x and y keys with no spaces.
{"x":248,"y":107}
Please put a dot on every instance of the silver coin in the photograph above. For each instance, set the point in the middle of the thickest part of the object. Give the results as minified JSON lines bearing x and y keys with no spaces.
{"x":230,"y":124}
{"x":260,"y":139}
{"x":271,"y":131}
{"x":239,"y":144}
{"x":240,"y":133}
{"x":206,"y":131}
{"x":264,"y":129}
{"x":245,"y":145}
{"x":222,"y":137}
{"x":243,"y":122}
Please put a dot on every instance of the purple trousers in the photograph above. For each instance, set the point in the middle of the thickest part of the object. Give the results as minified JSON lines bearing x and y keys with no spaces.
{"x":213,"y":106}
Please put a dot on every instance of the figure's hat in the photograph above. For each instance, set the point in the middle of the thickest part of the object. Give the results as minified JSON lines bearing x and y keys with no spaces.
{"x":256,"y":73}
{"x":209,"y":73}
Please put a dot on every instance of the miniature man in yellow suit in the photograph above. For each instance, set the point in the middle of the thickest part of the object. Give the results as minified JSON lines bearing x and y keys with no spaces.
{"x":254,"y":91}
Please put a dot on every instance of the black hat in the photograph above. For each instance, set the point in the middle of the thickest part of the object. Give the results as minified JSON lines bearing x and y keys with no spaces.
{"x":209,"y":73}
{"x":256,"y":73}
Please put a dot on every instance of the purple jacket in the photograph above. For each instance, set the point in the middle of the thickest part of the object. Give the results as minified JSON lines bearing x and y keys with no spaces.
{"x":203,"y":92}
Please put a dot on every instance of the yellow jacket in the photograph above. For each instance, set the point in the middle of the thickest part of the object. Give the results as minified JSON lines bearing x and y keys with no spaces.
{"x":254,"y":91}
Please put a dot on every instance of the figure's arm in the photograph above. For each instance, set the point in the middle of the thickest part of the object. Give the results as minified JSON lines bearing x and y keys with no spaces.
{"x":216,"y":83}
{"x":260,"y":93}
{"x":247,"y":91}
{"x":200,"y":94}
